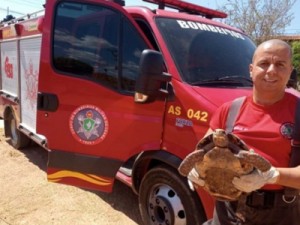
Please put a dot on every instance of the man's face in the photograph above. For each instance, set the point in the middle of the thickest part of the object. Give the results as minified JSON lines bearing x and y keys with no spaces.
{"x":271,"y":68}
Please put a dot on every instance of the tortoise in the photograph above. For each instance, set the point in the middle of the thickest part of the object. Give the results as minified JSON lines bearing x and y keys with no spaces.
{"x":218,"y":158}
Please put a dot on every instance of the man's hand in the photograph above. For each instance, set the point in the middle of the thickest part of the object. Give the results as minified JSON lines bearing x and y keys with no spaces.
{"x":256,"y":180}
{"x":194,"y":179}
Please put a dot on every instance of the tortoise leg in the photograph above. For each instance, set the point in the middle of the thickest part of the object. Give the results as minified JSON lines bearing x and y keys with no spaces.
{"x":254,"y":159}
{"x":235,"y":149}
{"x":188,"y":163}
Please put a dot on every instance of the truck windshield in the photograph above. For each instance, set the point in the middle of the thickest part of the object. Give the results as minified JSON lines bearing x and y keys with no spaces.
{"x":208,"y":55}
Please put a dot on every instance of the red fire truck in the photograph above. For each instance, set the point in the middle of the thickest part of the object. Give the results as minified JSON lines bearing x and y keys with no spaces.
{"x":119,"y":92}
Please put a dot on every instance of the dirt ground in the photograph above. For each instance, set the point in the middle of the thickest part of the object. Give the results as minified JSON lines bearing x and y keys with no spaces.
{"x":26,"y":197}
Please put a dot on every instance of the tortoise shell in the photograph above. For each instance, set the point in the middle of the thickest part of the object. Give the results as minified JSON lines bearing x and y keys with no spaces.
{"x":218,"y":158}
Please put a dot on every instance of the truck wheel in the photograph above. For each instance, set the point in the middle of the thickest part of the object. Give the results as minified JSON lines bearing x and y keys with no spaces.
{"x":17,"y":139}
{"x":166,"y":199}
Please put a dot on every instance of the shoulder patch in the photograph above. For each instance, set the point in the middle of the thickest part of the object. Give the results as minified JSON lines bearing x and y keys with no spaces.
{"x":286,"y":130}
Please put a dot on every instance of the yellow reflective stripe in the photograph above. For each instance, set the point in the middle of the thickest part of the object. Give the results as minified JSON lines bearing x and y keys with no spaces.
{"x":56,"y":177}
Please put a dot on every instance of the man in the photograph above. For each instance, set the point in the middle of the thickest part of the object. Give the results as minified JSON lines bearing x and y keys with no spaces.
{"x":265,"y":123}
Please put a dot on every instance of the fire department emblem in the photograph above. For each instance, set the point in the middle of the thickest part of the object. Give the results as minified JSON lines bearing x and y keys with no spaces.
{"x":88,"y":125}
{"x":31,"y":76}
{"x":287,"y":130}
{"x":8,"y":68}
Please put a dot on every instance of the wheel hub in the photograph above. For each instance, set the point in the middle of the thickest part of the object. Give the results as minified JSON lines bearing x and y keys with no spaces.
{"x":165,"y":207}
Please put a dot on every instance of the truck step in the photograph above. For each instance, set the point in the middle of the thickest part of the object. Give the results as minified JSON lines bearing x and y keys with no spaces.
{"x":126,"y":171}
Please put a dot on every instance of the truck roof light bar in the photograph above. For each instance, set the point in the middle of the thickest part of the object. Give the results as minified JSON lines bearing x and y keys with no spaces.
{"x":189,"y":8}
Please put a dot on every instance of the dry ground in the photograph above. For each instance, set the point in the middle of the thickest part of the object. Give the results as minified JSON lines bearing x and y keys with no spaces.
{"x":27,"y":198}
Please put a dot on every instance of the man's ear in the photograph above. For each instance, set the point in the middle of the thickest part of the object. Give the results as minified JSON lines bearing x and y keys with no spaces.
{"x":250,"y":69}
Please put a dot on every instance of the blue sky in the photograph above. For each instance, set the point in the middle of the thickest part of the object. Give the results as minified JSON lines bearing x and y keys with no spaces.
{"x":19,"y":7}
{"x":214,"y":4}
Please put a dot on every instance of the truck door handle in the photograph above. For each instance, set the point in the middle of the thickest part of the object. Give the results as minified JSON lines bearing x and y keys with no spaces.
{"x":47,"y":102}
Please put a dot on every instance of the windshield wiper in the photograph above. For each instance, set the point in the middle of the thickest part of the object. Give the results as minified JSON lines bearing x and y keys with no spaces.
{"x":234,"y":78}
{"x":224,"y":80}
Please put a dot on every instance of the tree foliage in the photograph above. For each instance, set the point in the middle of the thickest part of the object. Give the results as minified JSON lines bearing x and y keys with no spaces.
{"x":7,"y":18}
{"x":260,"y":19}
{"x":296,"y":56}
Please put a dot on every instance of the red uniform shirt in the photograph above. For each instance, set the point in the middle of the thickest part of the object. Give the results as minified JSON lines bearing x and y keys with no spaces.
{"x":266,"y":129}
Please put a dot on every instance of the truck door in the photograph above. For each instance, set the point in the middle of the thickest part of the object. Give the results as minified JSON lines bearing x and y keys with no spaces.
{"x":86,"y":110}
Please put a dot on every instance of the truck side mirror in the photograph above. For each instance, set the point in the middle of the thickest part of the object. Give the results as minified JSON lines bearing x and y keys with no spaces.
{"x":151,"y":77}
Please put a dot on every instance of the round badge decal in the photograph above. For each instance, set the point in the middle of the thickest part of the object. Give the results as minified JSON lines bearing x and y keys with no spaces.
{"x":88,"y":124}
{"x":287,"y":130}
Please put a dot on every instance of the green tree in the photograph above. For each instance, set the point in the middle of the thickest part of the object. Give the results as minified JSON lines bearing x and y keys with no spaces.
{"x":260,"y":19}
{"x":296,"y":56}
{"x":7,"y":18}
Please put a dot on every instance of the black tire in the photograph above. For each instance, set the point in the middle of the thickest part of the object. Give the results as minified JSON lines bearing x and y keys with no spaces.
{"x":166,"y":199}
{"x":17,"y":139}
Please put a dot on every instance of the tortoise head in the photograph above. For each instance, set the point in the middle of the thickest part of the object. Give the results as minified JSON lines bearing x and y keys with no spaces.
{"x":220,"y":138}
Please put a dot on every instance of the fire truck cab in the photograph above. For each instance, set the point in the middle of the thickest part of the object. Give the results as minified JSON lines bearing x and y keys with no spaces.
{"x":122,"y":92}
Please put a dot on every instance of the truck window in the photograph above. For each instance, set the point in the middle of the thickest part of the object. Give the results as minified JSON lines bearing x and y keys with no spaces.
{"x":148,"y":32}
{"x":98,"y":44}
{"x":132,"y":48}
{"x":206,"y":54}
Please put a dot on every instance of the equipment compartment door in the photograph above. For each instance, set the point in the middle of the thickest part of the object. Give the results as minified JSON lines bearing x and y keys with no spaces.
{"x":86,"y":109}
{"x":29,"y":67}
